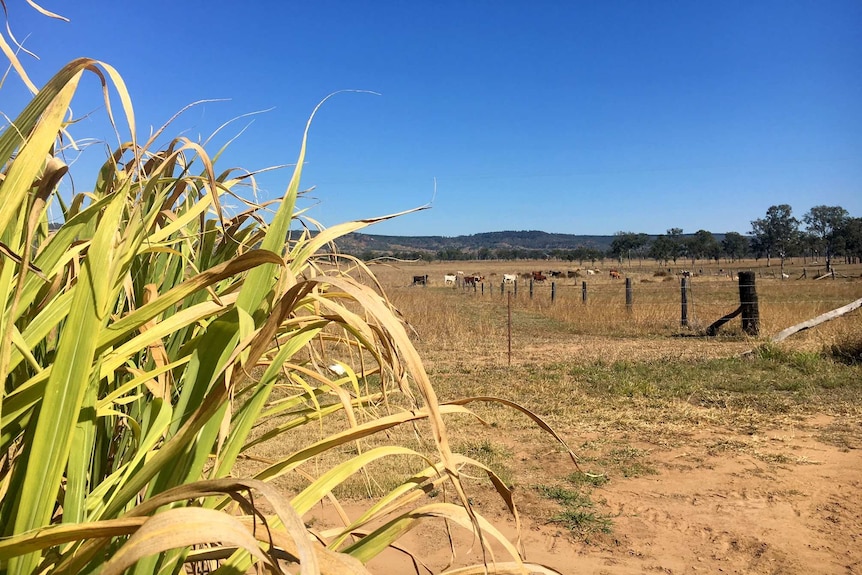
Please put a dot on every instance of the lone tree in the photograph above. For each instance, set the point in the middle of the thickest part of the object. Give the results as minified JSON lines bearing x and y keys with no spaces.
{"x":678,"y":248}
{"x":734,"y":245}
{"x":663,"y":249}
{"x":824,"y":223}
{"x":703,"y":245}
{"x":776,"y":233}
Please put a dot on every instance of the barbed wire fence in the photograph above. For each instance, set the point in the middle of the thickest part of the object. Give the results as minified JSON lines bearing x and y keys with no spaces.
{"x":687,"y":304}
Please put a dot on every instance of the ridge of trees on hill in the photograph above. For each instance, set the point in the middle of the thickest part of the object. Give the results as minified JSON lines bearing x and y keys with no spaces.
{"x":826,"y":232}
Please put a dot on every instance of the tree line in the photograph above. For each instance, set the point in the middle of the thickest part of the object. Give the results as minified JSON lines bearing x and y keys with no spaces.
{"x":823,"y":232}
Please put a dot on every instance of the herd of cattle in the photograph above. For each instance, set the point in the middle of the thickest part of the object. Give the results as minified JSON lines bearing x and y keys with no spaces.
{"x":462,"y":279}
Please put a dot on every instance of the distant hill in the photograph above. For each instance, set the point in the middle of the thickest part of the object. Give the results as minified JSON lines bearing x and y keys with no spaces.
{"x":357,"y":243}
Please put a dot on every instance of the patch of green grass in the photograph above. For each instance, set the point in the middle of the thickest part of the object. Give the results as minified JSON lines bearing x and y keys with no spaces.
{"x":773,"y":369}
{"x":630,"y":462}
{"x":578,"y":514}
{"x":805,"y":361}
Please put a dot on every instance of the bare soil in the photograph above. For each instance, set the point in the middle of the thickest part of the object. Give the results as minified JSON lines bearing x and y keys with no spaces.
{"x":784,"y":502}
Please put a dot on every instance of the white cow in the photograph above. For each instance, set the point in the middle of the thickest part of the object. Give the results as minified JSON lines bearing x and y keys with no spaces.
{"x":510,"y":278}
{"x":591,"y":272}
{"x":449,"y":279}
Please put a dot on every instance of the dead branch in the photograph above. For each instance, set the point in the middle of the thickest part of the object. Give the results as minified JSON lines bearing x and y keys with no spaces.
{"x":713,"y":329}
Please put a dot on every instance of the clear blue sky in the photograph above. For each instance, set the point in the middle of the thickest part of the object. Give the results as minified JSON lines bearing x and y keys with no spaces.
{"x":561,"y":116}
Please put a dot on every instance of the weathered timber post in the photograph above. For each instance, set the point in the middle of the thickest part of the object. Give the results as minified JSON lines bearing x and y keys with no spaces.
{"x":531,"y":289}
{"x":516,"y":288}
{"x":629,"y":295}
{"x":509,"y":324}
{"x":553,"y":291}
{"x":748,"y":303}
{"x":584,"y":292}
{"x":502,"y":287}
{"x":683,"y":292}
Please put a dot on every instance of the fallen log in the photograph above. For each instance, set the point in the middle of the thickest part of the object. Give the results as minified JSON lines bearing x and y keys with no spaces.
{"x":835,"y":313}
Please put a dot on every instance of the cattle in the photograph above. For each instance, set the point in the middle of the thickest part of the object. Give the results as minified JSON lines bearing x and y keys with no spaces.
{"x":573,"y":274}
{"x":555,"y":274}
{"x":538,"y":277}
{"x":473,"y":280}
{"x":615,"y":274}
{"x":592,"y":272}
{"x":420,"y":280}
{"x":449,"y":279}
{"x":510,"y":278}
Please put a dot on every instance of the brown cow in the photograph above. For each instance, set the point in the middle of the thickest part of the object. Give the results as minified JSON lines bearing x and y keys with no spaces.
{"x":539,"y":277}
{"x":615,"y":274}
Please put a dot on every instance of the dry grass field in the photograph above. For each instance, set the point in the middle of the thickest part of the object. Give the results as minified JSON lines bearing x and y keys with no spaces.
{"x":694,"y":456}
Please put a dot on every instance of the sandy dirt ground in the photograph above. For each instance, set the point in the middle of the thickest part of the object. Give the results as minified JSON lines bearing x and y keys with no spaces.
{"x":783,"y":502}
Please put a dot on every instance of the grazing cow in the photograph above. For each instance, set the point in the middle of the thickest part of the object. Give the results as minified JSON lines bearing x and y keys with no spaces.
{"x":539,"y":277}
{"x":449,"y":279}
{"x":473,"y":280}
{"x":510,"y":278}
{"x":555,"y":274}
{"x":420,"y":280}
{"x":573,"y":274}
{"x":615,"y":274}
{"x":592,"y":272}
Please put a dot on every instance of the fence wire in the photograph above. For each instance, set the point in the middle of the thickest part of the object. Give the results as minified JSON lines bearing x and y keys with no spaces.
{"x":656,"y":305}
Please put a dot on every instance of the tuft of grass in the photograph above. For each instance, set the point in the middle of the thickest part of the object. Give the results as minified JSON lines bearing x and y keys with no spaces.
{"x":630,"y":462}
{"x":578,"y":514}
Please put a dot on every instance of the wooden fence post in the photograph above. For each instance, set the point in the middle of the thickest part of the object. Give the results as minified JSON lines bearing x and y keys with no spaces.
{"x":629,"y":294}
{"x":531,"y":289}
{"x":584,"y":292}
{"x":509,"y":324}
{"x":748,"y":303}
{"x":553,"y":291}
{"x":683,"y":283}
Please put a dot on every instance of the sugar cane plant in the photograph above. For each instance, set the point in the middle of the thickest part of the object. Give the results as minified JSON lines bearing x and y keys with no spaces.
{"x":143,"y":336}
